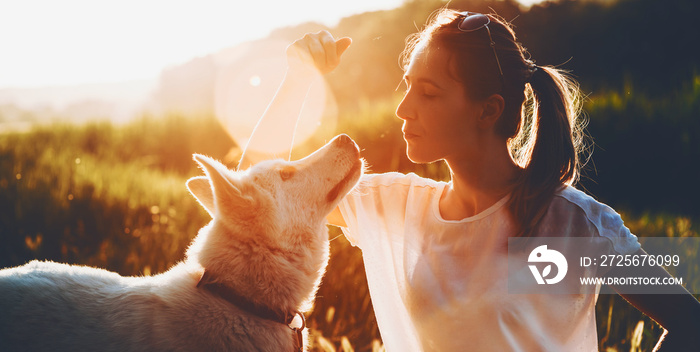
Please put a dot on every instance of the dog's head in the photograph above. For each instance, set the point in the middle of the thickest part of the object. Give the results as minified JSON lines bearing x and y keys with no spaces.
{"x":275,"y":208}
{"x":280,"y":192}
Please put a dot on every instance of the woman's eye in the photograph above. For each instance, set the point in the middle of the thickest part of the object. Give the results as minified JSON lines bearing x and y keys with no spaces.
{"x":429,"y":91}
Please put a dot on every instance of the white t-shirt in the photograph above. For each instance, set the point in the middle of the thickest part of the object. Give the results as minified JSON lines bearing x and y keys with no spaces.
{"x":440,"y":285}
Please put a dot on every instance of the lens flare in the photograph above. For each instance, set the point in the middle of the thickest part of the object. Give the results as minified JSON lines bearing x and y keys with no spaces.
{"x":248,"y":80}
{"x":255,"y":81}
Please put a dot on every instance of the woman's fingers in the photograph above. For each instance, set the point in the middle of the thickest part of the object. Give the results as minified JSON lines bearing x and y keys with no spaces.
{"x":318,"y":49}
{"x":342,"y":44}
{"x":330,"y":59}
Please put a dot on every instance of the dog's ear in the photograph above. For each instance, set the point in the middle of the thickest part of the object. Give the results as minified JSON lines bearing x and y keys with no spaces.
{"x":201,"y":190}
{"x":226,"y":196}
{"x":206,"y":279}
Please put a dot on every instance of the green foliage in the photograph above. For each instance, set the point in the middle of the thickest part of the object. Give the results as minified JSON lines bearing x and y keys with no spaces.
{"x":610,"y":43}
{"x":647,"y":148}
{"x":101,"y":195}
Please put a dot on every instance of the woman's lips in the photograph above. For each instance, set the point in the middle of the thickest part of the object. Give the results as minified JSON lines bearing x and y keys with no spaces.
{"x":409,"y":135}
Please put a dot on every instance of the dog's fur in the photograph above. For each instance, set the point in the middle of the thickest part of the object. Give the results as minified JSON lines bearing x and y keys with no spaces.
{"x":268,"y":241}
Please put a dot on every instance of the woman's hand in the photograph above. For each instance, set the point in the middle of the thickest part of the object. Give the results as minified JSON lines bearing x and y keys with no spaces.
{"x":319,"y":50}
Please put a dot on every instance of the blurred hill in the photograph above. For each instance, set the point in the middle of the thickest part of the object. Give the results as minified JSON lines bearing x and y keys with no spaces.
{"x":117,"y":102}
{"x":607,"y":45}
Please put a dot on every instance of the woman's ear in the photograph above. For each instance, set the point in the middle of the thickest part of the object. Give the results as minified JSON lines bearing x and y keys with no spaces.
{"x":492,"y":110}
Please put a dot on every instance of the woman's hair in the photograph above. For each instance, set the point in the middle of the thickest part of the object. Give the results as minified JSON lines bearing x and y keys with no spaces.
{"x":541,"y":117}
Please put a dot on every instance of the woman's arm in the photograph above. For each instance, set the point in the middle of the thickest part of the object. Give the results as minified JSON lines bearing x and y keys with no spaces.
{"x":677,"y":312}
{"x":307,"y":58}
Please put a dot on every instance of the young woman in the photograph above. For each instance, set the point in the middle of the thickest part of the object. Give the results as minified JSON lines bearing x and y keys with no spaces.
{"x":434,"y":252}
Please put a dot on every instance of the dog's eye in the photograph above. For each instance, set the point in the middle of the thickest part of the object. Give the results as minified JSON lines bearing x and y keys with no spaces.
{"x":287,"y":172}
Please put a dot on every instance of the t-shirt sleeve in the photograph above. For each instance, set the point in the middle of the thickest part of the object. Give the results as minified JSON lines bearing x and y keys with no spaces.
{"x":607,"y":222}
{"x":375,"y":217}
{"x":612,"y":227}
{"x":376,"y":206}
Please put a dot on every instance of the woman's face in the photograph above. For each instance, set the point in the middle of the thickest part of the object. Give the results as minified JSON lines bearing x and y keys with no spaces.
{"x":440,"y":121}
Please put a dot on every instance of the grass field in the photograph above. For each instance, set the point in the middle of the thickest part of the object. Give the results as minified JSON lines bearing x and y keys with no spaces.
{"x":115,"y":197}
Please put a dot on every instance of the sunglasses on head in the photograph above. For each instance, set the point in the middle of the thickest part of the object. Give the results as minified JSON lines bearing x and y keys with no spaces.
{"x":473,"y":21}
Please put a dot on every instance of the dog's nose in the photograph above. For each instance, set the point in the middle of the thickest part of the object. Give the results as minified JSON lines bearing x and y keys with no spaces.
{"x":344,"y":138}
{"x":345,"y":141}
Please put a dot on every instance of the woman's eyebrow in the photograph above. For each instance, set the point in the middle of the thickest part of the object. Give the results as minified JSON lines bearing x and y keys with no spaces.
{"x":424,"y":80}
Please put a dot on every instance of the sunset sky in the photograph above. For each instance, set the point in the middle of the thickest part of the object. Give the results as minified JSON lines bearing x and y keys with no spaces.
{"x":49,"y":43}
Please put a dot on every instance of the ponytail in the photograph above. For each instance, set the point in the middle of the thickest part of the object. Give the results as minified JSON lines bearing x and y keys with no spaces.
{"x":547,"y":144}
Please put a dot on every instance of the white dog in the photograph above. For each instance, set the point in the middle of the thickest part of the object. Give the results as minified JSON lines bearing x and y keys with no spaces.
{"x":247,"y":277}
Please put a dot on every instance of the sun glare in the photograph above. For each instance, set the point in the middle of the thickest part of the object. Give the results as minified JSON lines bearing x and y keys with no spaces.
{"x":245,"y":86}
{"x":46,"y":42}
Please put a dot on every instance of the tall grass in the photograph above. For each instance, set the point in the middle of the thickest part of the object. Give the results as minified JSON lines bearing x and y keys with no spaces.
{"x":115,"y":197}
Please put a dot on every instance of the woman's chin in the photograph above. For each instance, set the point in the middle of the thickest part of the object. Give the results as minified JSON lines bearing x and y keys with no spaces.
{"x":417,"y":157}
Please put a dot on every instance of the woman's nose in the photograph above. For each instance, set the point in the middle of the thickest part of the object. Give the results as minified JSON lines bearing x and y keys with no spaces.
{"x":403,"y":111}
